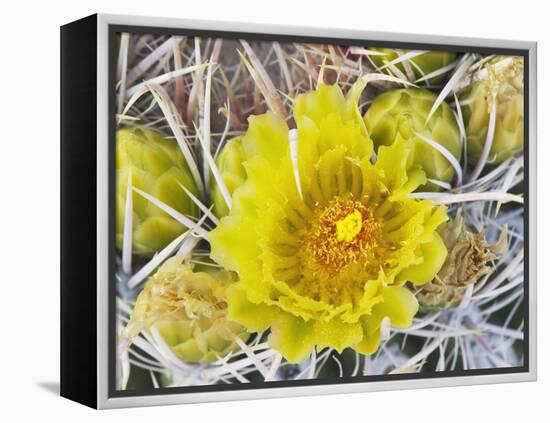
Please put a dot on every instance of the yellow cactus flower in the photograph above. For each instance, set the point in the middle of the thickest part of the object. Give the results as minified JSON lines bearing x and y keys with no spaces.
{"x":504,"y":84}
{"x":322,"y":239}
{"x":157,"y":167}
{"x":188,"y":309}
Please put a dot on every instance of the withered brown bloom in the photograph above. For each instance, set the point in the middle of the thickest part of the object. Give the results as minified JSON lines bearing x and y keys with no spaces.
{"x":467,"y":261}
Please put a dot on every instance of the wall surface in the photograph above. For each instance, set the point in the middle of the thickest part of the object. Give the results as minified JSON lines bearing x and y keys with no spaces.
{"x":29,"y":237}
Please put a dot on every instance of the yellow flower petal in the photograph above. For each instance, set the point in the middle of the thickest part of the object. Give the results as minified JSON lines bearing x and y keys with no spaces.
{"x":369,"y":344}
{"x":267,"y":136}
{"x":318,"y":104}
{"x":256,"y":317}
{"x":433,"y":256}
{"x":399,"y":304}
{"x":293,"y":337}
{"x":337,"y":334}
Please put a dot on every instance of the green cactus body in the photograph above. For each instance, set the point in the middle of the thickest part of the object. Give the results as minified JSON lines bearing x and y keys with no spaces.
{"x":401,"y":114}
{"x":504,"y":83}
{"x":188,"y":310}
{"x":230,"y":165}
{"x":156,"y":166}
{"x":420,"y":65}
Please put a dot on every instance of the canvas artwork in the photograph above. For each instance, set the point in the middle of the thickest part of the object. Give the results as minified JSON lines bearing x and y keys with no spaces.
{"x":253,"y":211}
{"x":296,"y":211}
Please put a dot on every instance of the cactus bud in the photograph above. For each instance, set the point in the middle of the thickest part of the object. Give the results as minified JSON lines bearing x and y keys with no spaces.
{"x":188,"y":309}
{"x":420,"y":65}
{"x":402,"y":113}
{"x":230,"y":165}
{"x":503,"y":84}
{"x":155,"y":165}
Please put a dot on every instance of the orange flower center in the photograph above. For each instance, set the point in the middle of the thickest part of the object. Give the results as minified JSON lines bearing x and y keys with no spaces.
{"x":345,"y":232}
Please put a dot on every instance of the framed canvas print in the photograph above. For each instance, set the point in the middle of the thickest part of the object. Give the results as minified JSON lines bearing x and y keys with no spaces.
{"x":252,"y":211}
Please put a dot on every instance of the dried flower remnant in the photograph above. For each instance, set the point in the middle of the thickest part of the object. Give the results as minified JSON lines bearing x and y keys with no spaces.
{"x":323,"y":266}
{"x":154,"y":165}
{"x":401,"y":114}
{"x":188,"y":309}
{"x":503,"y":86}
{"x":467,"y":261}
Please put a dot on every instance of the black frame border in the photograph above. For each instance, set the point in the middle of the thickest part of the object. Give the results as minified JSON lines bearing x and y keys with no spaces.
{"x":78,"y":211}
{"x":113,"y":29}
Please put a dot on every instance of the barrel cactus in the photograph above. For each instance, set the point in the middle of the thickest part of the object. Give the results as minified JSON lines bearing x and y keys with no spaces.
{"x":156,"y":166}
{"x":401,"y":114}
{"x":230,"y":165}
{"x":422,"y":64}
{"x":503,"y":83}
{"x":187,"y":307}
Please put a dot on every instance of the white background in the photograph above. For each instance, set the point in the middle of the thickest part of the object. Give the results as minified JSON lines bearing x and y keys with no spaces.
{"x":29,"y":190}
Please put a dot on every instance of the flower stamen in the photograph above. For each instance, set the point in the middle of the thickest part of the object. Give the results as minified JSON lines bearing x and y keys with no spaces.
{"x":345,"y":232}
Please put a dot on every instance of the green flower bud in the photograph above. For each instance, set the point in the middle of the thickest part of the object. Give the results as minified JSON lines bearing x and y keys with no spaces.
{"x":230,"y":165}
{"x":156,"y":166}
{"x":503,"y":82}
{"x":420,"y":65}
{"x":188,"y":309}
{"x":466,"y":262}
{"x":401,"y":114}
